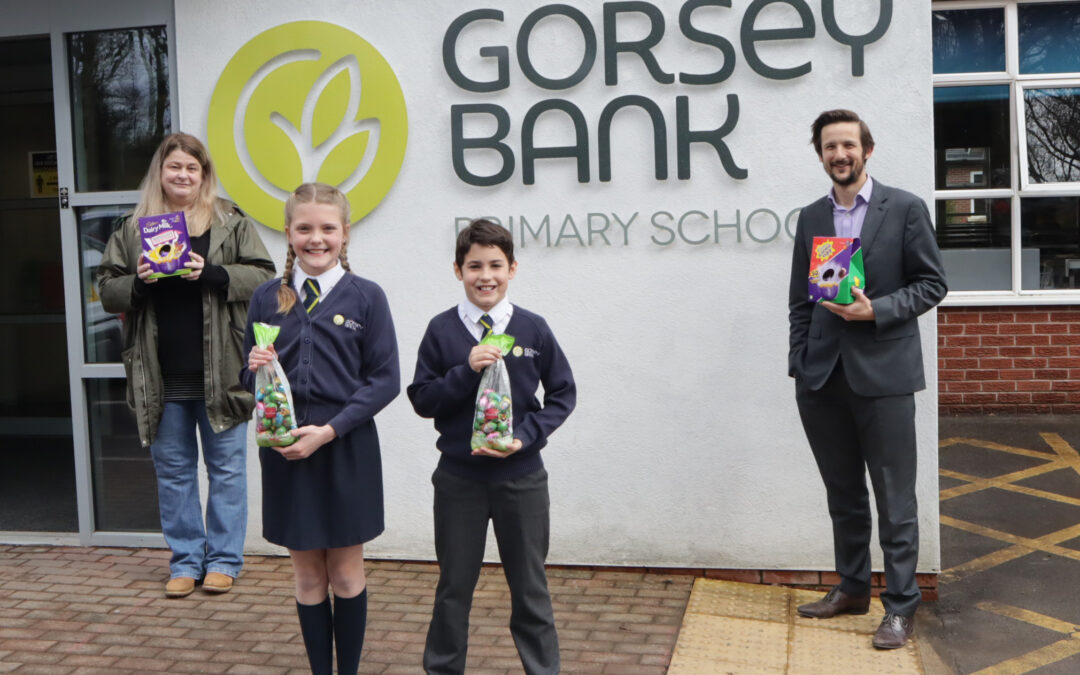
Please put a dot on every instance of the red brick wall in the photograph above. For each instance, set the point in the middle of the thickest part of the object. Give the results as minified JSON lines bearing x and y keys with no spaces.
{"x":1009,"y":360}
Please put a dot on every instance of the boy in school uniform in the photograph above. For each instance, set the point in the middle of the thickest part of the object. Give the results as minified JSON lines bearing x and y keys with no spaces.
{"x":472,"y":486}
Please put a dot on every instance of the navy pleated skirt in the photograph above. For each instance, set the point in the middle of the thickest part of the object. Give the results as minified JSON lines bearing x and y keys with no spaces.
{"x":331,"y":499}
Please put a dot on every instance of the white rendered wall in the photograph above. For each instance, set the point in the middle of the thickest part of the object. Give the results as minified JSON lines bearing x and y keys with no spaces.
{"x":685,"y":448}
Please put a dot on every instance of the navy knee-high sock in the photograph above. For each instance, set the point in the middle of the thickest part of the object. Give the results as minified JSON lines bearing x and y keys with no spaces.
{"x":317,"y":627}
{"x":350,"y":622}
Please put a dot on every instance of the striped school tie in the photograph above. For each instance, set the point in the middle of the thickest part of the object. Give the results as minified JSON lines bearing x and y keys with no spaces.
{"x":487,"y":323}
{"x":311,"y":294}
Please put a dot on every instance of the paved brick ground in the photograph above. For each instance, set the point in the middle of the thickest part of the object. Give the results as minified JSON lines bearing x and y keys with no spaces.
{"x":101,"y":610}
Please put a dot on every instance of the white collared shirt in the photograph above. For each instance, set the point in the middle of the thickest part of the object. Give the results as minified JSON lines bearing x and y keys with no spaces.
{"x":327,"y":280}
{"x":500,"y":314}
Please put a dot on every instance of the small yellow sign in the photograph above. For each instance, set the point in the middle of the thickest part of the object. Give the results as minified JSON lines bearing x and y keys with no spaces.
{"x":43,"y":178}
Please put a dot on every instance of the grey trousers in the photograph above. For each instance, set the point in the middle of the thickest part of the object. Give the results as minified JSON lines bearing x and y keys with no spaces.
{"x":852,"y":435}
{"x":520,"y":512}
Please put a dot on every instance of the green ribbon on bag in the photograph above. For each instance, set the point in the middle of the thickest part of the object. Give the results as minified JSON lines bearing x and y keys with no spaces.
{"x":265,"y":334}
{"x":503,"y":341}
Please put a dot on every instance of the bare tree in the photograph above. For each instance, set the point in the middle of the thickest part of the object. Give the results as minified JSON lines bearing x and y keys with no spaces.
{"x":1052,"y":117}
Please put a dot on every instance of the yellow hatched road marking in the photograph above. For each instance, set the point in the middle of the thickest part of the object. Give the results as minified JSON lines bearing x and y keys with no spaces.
{"x":976,"y":484}
{"x":1005,"y":481}
{"x":1021,"y":546}
{"x":1063,"y":449}
{"x":1067,"y":458}
{"x":1027,"y":616}
{"x":1044,"y":656}
{"x":990,"y":445}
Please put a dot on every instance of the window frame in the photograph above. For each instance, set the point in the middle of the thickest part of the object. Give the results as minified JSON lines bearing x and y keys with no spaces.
{"x":1020,"y":186}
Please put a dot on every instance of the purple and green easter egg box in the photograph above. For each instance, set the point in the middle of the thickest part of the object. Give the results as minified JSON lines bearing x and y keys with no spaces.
{"x":165,"y":244}
{"x":836,"y":267}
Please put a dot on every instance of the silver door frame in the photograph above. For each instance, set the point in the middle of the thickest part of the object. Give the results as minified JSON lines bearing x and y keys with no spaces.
{"x":56,"y":19}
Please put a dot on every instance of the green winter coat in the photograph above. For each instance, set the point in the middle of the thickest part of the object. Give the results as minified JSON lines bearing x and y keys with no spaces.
{"x":234,"y":245}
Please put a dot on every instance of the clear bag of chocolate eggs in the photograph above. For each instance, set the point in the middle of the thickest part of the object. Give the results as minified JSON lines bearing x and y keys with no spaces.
{"x":493,"y":422}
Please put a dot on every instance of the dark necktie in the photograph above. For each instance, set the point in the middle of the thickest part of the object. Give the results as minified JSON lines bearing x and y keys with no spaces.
{"x":487,"y":323}
{"x":311,"y":294}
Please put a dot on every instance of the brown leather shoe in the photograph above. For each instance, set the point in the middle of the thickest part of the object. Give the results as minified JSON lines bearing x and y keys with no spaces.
{"x":894,"y":631}
{"x":836,"y":602}
{"x":179,"y":587}
{"x":216,"y":582}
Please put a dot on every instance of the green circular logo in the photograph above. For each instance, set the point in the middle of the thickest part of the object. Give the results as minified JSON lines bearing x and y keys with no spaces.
{"x":306,"y":101}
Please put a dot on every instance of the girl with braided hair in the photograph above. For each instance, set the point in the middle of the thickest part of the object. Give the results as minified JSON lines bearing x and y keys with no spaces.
{"x":322,"y":495}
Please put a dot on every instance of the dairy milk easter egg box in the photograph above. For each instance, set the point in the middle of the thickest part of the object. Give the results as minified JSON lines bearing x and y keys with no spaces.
{"x":165,"y":244}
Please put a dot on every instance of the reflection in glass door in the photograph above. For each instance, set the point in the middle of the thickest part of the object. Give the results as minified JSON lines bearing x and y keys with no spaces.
{"x":37,"y":483}
{"x":118,"y":82}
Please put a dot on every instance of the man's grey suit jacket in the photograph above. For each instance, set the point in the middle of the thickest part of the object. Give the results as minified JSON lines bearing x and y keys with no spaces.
{"x":904,"y":279}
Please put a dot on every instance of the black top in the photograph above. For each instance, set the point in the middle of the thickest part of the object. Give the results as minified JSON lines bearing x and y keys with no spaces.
{"x":178,"y":305}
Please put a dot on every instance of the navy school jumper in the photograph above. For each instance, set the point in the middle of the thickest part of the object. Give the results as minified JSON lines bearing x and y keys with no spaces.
{"x":444,"y":388}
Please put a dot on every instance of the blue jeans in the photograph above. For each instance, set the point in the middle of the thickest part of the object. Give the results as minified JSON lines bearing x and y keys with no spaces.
{"x":219,"y":547}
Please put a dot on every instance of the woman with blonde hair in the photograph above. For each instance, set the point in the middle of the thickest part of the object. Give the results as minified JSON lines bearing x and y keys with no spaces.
{"x":182,"y":356}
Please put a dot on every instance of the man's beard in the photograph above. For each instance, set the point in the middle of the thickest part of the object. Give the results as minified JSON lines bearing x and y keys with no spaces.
{"x":855,"y":173}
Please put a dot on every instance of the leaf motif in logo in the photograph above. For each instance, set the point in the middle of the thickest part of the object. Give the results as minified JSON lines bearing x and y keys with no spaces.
{"x":330,"y":107}
{"x":340,"y":163}
{"x":330,"y":113}
{"x":287,"y":109}
{"x":274,"y":154}
{"x":265,"y":147}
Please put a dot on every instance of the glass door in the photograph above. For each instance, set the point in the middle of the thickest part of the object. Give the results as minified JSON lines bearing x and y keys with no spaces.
{"x":112,"y":100}
{"x":37,"y":484}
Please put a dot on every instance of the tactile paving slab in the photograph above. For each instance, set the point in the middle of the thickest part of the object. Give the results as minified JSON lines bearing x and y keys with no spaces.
{"x":756,"y":646}
{"x":735,"y":628}
{"x":828,"y":651}
{"x":746,"y":601}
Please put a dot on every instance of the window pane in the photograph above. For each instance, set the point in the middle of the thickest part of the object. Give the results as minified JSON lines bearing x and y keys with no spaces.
{"x":971,"y":137}
{"x":102,"y":332}
{"x":125,"y":487}
{"x":969,"y":41}
{"x":1052,"y":119}
{"x":1049,"y":38}
{"x":119,"y":104}
{"x":975,"y":243}
{"x":1050,"y":227}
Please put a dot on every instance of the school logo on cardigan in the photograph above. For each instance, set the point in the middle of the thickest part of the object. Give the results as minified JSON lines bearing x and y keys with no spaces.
{"x":306,"y":101}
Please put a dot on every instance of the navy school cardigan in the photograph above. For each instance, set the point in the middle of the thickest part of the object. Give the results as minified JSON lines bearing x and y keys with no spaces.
{"x":341,"y":360}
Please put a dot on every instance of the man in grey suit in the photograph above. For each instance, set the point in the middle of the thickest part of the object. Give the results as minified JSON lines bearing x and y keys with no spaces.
{"x":856,"y":368}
